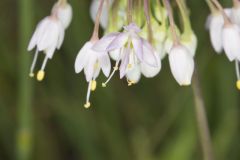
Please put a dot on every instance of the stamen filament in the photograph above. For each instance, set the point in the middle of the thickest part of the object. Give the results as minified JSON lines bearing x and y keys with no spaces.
{"x":238,"y":74}
{"x":88,"y":104}
{"x":41,"y":73}
{"x":112,"y":74}
{"x":31,"y":74}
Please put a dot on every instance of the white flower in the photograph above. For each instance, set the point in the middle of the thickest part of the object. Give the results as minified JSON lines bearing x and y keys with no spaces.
{"x":231,"y":41}
{"x":94,"y":8}
{"x":131,"y":49}
{"x":48,"y":37}
{"x":181,"y":64}
{"x":92,"y":63}
{"x":215,"y":24}
{"x":190,"y":42}
{"x":64,"y":13}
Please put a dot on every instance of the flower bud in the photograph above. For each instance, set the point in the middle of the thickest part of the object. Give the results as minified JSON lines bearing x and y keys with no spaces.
{"x":181,"y":64}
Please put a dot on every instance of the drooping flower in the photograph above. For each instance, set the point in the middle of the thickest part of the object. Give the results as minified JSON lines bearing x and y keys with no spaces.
{"x":104,"y":17}
{"x":181,"y":64}
{"x":132,"y":50}
{"x":47,"y":37}
{"x":63,"y":11}
{"x":215,"y":24}
{"x":92,"y":63}
{"x":231,"y":41}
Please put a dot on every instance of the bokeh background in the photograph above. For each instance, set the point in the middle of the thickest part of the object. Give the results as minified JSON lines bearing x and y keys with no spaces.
{"x":154,"y":120}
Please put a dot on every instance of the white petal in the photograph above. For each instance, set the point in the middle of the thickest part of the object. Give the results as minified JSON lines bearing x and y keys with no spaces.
{"x":41,"y":27}
{"x":150,"y":56}
{"x":60,"y":38}
{"x":181,"y":64}
{"x":90,"y":67}
{"x":134,"y":74}
{"x":82,"y":57}
{"x":149,"y":71}
{"x":105,"y":64}
{"x":216,"y":26}
{"x":64,"y":13}
{"x":231,"y":41}
{"x":104,"y":42}
{"x":115,"y":54}
{"x":138,"y":47}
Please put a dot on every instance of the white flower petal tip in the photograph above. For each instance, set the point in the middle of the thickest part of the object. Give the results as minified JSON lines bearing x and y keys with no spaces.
{"x":231,"y":41}
{"x":181,"y":64}
{"x":238,"y":84}
{"x":63,"y":13}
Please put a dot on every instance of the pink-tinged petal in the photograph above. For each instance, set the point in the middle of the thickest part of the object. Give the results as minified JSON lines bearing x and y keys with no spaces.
{"x":124,"y":62}
{"x":132,"y":27}
{"x":138,"y":47}
{"x":105,"y":64}
{"x":104,"y":42}
{"x":90,"y":68}
{"x":118,"y":42}
{"x":82,"y":57}
{"x":115,"y":54}
{"x":150,"y":56}
{"x":41,"y":27}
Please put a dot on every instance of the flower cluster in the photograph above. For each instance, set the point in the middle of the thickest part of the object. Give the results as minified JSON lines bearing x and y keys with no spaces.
{"x":137,"y":37}
{"x":224,"y":28}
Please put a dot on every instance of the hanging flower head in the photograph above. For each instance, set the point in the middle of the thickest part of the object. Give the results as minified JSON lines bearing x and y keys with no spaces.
{"x":91,"y":61}
{"x":48,"y":37}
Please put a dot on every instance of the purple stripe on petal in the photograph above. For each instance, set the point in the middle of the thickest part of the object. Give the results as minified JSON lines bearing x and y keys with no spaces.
{"x":118,"y":42}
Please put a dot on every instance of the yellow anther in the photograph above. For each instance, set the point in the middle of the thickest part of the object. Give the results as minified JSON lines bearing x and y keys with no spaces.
{"x":31,"y":75}
{"x":87,"y":105}
{"x":104,"y":85}
{"x":115,"y":68}
{"x":129,"y":66}
{"x":130,"y":83}
{"x":93,"y":85}
{"x":40,"y":75}
{"x":238,"y":84}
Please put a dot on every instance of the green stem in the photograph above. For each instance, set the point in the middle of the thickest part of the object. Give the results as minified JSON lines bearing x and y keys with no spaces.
{"x":202,"y":122}
{"x":24,"y":131}
{"x":212,"y":7}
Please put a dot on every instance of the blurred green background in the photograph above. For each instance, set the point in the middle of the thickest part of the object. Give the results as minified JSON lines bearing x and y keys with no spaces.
{"x":154,"y":120}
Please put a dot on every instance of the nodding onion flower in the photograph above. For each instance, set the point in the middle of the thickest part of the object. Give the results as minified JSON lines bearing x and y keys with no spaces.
{"x":91,"y":61}
{"x":180,"y":57}
{"x":130,"y":51}
{"x":49,"y":35}
{"x":104,"y":18}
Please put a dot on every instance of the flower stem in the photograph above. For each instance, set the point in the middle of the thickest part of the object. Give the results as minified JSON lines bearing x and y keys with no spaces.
{"x":95,"y":35}
{"x":172,"y":22}
{"x":211,"y":6}
{"x":147,"y":14}
{"x":129,"y":11}
{"x":24,"y":131}
{"x":202,"y":119}
{"x":236,"y":3}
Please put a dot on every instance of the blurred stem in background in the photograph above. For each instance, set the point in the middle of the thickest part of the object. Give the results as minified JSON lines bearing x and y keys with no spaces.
{"x":24,"y":130}
{"x":202,"y":122}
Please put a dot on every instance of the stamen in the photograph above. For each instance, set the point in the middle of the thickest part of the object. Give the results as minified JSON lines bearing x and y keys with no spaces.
{"x":88,"y":104}
{"x":238,"y":74}
{"x":112,"y":74}
{"x":41,"y":73}
{"x":31,"y":74}
{"x":93,"y":85}
{"x":130,"y":82}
